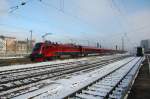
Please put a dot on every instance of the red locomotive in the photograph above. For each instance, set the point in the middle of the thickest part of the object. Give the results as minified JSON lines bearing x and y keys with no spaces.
{"x":48,"y":50}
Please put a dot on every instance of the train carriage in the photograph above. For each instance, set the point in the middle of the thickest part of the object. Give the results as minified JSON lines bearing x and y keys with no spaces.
{"x":48,"y":50}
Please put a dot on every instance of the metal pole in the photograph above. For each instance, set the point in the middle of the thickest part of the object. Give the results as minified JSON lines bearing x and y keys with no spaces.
{"x":30,"y":40}
{"x":6,"y":47}
{"x":27,"y":46}
{"x":122,"y":43}
{"x":88,"y":42}
{"x":116,"y":47}
{"x":16,"y":47}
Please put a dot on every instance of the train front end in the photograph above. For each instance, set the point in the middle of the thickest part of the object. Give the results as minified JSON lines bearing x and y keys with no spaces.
{"x":37,"y":54}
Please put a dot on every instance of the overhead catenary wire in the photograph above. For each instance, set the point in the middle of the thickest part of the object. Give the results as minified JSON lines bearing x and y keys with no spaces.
{"x":14,"y":8}
{"x":118,"y":12}
{"x":65,"y":12}
{"x":62,"y":5}
{"x":122,"y":16}
{"x":17,"y":29}
{"x":62,"y":10}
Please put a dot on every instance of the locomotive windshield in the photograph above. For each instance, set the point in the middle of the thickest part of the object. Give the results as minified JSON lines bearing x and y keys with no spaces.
{"x":37,"y":46}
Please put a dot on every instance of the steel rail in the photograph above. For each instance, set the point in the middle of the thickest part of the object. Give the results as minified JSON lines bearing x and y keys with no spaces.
{"x":66,"y":71}
{"x":86,"y":91}
{"x":41,"y":67}
{"x":38,"y":73}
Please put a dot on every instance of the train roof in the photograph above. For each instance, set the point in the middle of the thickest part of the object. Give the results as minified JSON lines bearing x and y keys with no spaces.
{"x":49,"y":43}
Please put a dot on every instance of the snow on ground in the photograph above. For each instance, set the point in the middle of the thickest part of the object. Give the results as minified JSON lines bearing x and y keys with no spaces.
{"x":12,"y":57}
{"x":62,"y":87}
{"x":39,"y":64}
{"x":54,"y":62}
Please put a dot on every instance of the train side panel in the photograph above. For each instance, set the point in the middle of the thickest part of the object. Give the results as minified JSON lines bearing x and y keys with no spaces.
{"x":47,"y":51}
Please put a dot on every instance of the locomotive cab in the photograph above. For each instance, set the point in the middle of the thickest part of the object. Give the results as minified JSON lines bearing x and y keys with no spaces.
{"x":140,"y":52}
{"x":37,"y":52}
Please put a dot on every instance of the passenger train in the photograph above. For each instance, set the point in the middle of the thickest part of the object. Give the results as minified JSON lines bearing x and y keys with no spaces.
{"x":47,"y":50}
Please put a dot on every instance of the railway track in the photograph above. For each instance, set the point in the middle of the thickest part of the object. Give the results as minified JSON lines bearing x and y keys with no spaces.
{"x":113,"y":85}
{"x":46,"y":66}
{"x":12,"y":80}
{"x":13,"y":61}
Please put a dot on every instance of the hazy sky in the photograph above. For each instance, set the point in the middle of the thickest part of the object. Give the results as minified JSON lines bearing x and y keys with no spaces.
{"x":104,"y":21}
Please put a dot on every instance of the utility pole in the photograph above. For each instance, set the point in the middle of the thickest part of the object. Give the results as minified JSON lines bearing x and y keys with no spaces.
{"x":116,"y":47}
{"x":62,"y":5}
{"x":30,"y":40}
{"x":16,"y":46}
{"x":6,"y":47}
{"x":122,"y":43}
{"x":88,"y":42}
{"x":100,"y":46}
{"x":27,"y":45}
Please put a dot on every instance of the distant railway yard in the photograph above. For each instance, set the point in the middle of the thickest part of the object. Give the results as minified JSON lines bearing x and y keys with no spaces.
{"x":95,"y":77}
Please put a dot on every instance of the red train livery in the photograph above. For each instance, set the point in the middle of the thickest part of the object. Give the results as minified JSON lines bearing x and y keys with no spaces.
{"x":47,"y":51}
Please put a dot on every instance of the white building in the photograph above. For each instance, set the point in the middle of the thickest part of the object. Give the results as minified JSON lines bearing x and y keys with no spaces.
{"x":10,"y":45}
{"x":145,"y":44}
{"x":2,"y":44}
{"x":7,"y":44}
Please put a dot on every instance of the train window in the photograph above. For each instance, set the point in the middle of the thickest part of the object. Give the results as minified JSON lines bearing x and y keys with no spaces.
{"x":43,"y":48}
{"x":47,"y":47}
{"x":37,"y":46}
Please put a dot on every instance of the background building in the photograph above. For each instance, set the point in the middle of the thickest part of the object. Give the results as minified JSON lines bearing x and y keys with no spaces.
{"x":24,"y":46}
{"x":10,"y":45}
{"x":2,"y":43}
{"x":145,"y":44}
{"x":7,"y":44}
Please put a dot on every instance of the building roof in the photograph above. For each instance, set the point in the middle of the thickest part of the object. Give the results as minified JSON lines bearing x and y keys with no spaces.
{"x":5,"y":37}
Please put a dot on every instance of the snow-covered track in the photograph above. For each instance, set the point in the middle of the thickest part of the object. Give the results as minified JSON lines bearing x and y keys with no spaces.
{"x":114,"y":85}
{"x":12,"y":79}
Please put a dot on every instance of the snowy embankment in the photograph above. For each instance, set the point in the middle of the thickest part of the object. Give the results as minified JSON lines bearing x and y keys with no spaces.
{"x":12,"y":57}
{"x":11,"y":67}
{"x":64,"y":87}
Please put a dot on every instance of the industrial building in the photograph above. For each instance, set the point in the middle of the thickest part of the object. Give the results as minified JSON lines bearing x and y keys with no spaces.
{"x":7,"y":44}
{"x":10,"y":45}
{"x":145,"y":44}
